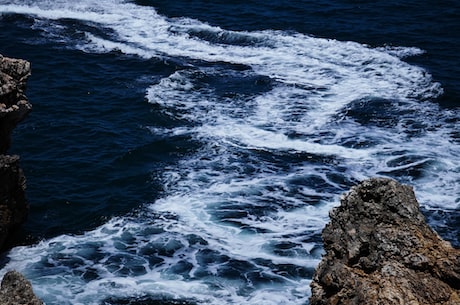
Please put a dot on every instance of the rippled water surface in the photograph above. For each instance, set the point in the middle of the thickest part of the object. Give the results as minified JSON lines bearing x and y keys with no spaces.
{"x":190,"y":152}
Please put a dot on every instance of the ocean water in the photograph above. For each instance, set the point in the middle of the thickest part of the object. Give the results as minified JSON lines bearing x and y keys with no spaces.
{"x":189,"y":153}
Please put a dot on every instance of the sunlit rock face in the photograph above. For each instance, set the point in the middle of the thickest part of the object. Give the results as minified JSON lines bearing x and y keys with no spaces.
{"x":379,"y":250}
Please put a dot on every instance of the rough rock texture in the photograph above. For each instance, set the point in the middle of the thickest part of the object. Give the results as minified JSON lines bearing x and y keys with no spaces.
{"x":14,"y":107}
{"x":17,"y":290}
{"x":379,"y":250}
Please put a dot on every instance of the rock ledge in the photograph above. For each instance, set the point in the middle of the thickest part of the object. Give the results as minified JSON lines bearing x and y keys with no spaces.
{"x":379,"y":250}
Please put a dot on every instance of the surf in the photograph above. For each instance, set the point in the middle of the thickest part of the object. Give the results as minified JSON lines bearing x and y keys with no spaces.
{"x":282,"y":123}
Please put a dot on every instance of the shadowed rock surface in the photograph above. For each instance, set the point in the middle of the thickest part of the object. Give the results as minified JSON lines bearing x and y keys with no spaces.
{"x":13,"y":205}
{"x":17,"y":290}
{"x":14,"y":107}
{"x":379,"y":250}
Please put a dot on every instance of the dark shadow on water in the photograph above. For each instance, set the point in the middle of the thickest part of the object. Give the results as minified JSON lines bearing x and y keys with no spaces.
{"x":158,"y":300}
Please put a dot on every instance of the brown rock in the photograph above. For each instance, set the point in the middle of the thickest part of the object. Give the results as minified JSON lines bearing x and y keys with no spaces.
{"x":379,"y":250}
{"x":17,"y":290}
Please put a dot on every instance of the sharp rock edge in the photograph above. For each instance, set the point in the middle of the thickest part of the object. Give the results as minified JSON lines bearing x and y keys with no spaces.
{"x":379,"y":250}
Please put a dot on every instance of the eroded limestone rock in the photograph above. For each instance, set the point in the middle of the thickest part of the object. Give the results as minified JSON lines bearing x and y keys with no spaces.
{"x":14,"y":105}
{"x":379,"y":250}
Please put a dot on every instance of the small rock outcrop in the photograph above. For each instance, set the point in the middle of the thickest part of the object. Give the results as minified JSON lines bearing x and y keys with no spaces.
{"x":14,"y":107}
{"x":17,"y":290}
{"x":379,"y":250}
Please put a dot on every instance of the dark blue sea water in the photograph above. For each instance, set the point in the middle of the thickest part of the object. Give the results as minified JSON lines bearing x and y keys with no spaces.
{"x":191,"y":150}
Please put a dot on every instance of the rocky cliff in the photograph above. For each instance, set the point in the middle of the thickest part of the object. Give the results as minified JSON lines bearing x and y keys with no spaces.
{"x":14,"y":107}
{"x":379,"y":250}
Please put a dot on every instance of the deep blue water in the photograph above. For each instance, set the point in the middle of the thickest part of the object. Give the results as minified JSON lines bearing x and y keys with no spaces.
{"x":191,"y":151}
{"x":429,"y":25}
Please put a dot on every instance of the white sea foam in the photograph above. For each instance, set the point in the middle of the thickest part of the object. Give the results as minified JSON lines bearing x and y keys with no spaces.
{"x":225,"y":204}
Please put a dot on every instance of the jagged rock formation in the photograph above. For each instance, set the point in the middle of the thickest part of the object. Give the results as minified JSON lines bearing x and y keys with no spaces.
{"x":14,"y":107}
{"x":17,"y":290}
{"x":379,"y":250}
